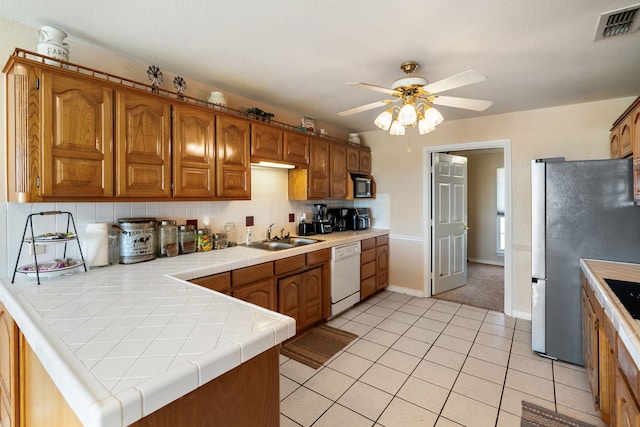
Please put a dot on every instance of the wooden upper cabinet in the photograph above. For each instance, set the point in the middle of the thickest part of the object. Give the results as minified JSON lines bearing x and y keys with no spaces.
{"x":233,"y":171}
{"x":319,"y":169}
{"x":143,"y":141}
{"x":193,"y":152}
{"x":635,"y":133}
{"x":266,"y":142}
{"x":77,"y":138}
{"x":365,"y":161}
{"x":338,"y":170}
{"x":359,"y":160}
{"x":626,"y":145}
{"x":614,"y":143}
{"x":296,"y":148}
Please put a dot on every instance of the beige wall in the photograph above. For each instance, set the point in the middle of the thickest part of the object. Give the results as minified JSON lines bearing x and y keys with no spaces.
{"x":577,"y":131}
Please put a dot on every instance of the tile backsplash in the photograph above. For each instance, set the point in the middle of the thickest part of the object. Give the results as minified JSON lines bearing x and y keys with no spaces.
{"x":269,"y":204}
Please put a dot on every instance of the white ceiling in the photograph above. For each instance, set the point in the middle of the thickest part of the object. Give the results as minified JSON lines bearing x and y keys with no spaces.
{"x":299,"y":54}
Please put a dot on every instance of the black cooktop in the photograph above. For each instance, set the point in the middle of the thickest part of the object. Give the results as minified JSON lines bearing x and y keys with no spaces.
{"x":628,"y":293}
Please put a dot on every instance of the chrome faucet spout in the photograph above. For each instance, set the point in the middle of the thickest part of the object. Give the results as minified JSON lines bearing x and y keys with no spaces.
{"x":269,"y":231}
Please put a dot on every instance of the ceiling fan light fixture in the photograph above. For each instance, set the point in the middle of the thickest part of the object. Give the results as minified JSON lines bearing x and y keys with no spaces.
{"x":425,"y":126}
{"x":434,"y":116}
{"x":396,"y":128}
{"x":407,"y":115}
{"x":384,"y":119}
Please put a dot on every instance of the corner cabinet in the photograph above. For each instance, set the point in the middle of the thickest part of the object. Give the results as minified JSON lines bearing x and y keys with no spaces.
{"x":624,"y":141}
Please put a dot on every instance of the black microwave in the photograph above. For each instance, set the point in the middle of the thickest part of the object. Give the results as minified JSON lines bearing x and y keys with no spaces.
{"x":361,"y":186}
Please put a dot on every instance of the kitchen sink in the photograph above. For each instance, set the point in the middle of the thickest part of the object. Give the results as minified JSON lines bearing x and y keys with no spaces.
{"x":284,"y":243}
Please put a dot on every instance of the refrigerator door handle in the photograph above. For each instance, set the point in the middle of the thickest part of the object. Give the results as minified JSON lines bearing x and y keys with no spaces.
{"x":538,"y":290}
{"x":538,"y":220}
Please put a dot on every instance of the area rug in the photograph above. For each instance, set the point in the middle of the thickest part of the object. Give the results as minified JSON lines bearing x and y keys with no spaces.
{"x":537,"y":416}
{"x":316,"y":346}
{"x":484,"y":288}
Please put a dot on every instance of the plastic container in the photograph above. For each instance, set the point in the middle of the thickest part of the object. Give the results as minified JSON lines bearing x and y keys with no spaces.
{"x":187,"y":239}
{"x":168,"y":238}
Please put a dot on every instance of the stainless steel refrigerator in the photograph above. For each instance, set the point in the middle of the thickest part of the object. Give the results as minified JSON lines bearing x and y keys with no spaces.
{"x":580,"y":209}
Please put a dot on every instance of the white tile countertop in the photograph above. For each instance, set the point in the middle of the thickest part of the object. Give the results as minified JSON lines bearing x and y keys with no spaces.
{"x":122,"y":341}
{"x":627,"y":327}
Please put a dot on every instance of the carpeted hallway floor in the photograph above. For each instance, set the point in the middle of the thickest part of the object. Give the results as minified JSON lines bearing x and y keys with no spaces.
{"x":484,"y":288}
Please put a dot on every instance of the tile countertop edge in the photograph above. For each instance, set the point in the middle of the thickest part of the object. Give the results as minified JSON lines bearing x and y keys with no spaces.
{"x":628,"y":329}
{"x":90,"y":400}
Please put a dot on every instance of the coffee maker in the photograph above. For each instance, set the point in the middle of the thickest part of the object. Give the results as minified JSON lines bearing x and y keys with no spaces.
{"x":337,"y":217}
{"x":320,"y":219}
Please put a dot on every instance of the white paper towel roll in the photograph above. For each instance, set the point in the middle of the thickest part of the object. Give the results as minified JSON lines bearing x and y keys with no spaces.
{"x":96,"y":244}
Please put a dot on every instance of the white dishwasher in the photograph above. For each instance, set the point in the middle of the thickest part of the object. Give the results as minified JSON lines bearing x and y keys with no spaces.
{"x":345,"y":277}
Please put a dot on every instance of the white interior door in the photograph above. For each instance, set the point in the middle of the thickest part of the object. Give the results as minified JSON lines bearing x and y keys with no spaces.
{"x":449,"y":219}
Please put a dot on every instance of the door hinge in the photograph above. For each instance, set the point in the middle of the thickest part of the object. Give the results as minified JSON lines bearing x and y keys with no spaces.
{"x":37,"y":181}
{"x":37,"y":83}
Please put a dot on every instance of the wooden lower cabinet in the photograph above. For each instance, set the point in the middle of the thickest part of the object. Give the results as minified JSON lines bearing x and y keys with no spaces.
{"x":9,"y":368}
{"x":627,"y":411}
{"x":300,"y":297}
{"x":262,"y":293}
{"x":374,"y":265}
{"x":217,"y":282}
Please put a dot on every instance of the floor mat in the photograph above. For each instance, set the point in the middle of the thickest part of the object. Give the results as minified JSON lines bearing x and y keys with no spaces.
{"x":537,"y":416}
{"x":316,"y":346}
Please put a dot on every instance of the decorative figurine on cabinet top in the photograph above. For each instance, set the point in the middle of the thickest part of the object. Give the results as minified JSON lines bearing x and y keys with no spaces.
{"x":180,"y":86}
{"x":155,"y":76}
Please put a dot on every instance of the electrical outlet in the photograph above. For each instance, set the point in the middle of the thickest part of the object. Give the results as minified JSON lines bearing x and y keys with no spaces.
{"x":248,"y":221}
{"x":292,"y":217}
{"x":40,"y":249}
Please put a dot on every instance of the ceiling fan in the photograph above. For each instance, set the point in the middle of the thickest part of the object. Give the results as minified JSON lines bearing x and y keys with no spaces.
{"x":418,"y":97}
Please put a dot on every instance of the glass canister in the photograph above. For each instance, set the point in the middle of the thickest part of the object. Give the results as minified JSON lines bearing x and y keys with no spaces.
{"x":232,"y":233}
{"x":187,"y":238}
{"x":167,"y":238}
{"x":204,"y":242}
{"x":220,"y":240}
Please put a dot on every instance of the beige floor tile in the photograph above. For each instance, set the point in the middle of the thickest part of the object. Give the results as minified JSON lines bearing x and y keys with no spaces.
{"x":399,"y":361}
{"x":500,"y":319}
{"x":440,"y":316}
{"x":444,"y":357}
{"x":512,"y":401}
{"x":478,"y":389}
{"x":454,"y":344}
{"x":436,"y":374}
{"x":384,"y":378}
{"x":350,"y":364}
{"x":297,"y":371}
{"x":570,"y":376}
{"x":524,"y":349}
{"x":388,"y":303}
{"x":499,"y":330}
{"x":394,"y":326}
{"x":339,"y":416}
{"x":286,"y":422}
{"x":444,"y":422}
{"x":380,"y":311}
{"x":403,"y":414}
{"x":304,"y":406}
{"x":412,"y":309}
{"x":287,"y":387}
{"x":471,"y":313}
{"x":368,"y":319}
{"x":430,"y":324}
{"x":530,"y":384}
{"x":424,"y":394}
{"x":522,"y":336}
{"x":574,"y":398}
{"x":493,"y":355}
{"x":366,"y":400}
{"x":360,"y":329}
{"x":337,"y":322}
{"x":523,"y":325}
{"x":469,"y":412}
{"x":402,"y":317}
{"x":505,"y":419}
{"x":282,"y":359}
{"x":396,"y":296}
{"x":330,"y":383}
{"x":588,"y":418}
{"x":446,"y":306}
{"x":354,"y":311}
{"x":465,"y":322}
{"x":540,"y":367}
{"x":367,"y":349}
{"x":381,"y":337}
{"x":421,"y":302}
{"x":411,"y":346}
{"x":485,"y":370}
{"x":421,"y":334}
{"x":494,"y":341}
{"x":460,"y":332}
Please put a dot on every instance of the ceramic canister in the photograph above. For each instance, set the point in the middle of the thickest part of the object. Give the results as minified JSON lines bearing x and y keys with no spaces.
{"x":51,"y":43}
{"x":218,"y":98}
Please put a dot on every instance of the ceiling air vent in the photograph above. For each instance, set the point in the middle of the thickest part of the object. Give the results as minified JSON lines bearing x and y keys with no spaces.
{"x":618,"y":22}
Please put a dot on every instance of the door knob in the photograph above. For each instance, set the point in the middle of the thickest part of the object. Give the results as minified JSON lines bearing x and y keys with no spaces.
{"x":466,"y":227}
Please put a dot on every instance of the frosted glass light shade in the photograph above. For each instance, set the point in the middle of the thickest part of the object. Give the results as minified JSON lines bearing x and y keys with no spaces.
{"x":425,"y":126}
{"x":407,"y":115}
{"x":434,"y":116}
{"x":396,"y":128}
{"x":384,"y":119}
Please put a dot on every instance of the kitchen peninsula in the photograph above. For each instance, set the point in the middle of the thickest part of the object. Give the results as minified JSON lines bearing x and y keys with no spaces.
{"x":127,"y":343}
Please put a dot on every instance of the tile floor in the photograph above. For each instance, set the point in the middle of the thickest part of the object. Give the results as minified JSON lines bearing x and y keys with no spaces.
{"x":427,"y":362}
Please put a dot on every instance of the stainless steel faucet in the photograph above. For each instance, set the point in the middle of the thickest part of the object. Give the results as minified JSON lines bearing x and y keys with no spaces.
{"x":269,"y":231}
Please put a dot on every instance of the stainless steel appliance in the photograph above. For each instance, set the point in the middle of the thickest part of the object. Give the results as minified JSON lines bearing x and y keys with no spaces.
{"x":358,"y":219}
{"x":320,"y":219}
{"x":345,"y":277}
{"x":306,"y":229}
{"x":361,"y":186}
{"x":338,"y":218}
{"x":580,"y":209}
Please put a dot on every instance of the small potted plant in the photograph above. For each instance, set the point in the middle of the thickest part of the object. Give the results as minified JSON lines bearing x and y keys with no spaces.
{"x":258,"y":114}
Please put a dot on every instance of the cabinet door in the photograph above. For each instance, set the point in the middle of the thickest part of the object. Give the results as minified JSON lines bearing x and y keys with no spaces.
{"x":614,"y":143}
{"x":353,"y":159}
{"x":626,"y":143}
{"x":9,"y":407}
{"x":338,"y":169}
{"x":590,"y":343}
{"x":233,"y":171}
{"x":319,"y":169}
{"x":627,"y":413}
{"x":218,"y":282}
{"x":296,"y":148}
{"x":143,"y":132}
{"x":266,"y":142}
{"x":289,"y":290}
{"x":193,"y":152}
{"x":382,"y":266}
{"x":365,"y":161}
{"x":311,"y":297}
{"x":77,"y":138}
{"x":635,"y":133}
{"x":260,"y":293}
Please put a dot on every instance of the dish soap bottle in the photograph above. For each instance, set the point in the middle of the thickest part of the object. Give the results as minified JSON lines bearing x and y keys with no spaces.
{"x":248,"y":238}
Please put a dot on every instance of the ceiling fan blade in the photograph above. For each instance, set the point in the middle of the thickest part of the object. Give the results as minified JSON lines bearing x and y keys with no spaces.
{"x":466,"y":103}
{"x":374,"y":87}
{"x":458,"y":80}
{"x":367,"y":107}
